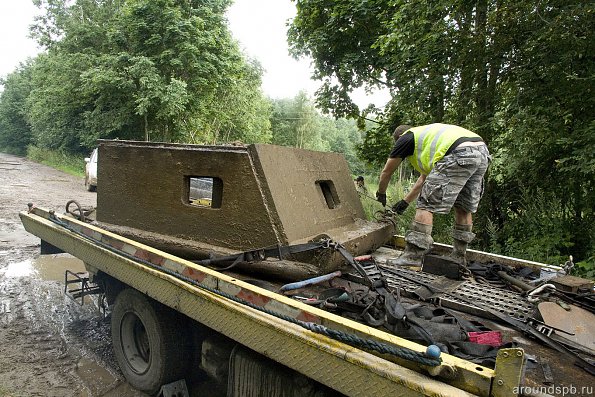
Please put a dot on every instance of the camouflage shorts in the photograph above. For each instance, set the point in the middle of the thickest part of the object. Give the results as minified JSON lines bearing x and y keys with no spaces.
{"x":456,"y":180}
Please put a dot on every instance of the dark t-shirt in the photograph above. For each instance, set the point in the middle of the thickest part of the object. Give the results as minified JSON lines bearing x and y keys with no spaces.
{"x":405,"y":145}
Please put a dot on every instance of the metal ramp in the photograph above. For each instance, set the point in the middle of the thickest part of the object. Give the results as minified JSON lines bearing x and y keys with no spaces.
{"x":506,"y":302}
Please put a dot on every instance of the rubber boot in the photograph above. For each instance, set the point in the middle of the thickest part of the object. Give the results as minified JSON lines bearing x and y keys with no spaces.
{"x":418,"y":243}
{"x":462,"y":236}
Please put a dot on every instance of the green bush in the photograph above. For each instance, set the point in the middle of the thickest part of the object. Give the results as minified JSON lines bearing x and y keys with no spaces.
{"x":539,"y":229}
{"x":12,"y":149}
{"x":585,"y":269}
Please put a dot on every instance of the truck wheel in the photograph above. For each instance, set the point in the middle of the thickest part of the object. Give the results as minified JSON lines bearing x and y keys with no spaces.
{"x":88,"y":186}
{"x":149,"y":341}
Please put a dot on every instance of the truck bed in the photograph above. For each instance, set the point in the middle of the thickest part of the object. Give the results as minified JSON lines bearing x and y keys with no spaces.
{"x":350,"y":357}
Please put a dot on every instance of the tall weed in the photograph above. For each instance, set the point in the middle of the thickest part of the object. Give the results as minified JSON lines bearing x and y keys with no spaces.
{"x":585,"y":268}
{"x":538,"y":229}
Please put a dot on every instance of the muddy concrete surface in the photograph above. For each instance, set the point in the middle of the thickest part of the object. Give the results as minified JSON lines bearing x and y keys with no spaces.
{"x":49,"y":344}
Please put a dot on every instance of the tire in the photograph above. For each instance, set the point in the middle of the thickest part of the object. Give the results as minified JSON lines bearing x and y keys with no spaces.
{"x":88,"y":186}
{"x":150,"y":341}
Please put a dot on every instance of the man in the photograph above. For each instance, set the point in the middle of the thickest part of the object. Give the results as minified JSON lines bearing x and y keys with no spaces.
{"x":360,"y":185}
{"x":452,"y":162}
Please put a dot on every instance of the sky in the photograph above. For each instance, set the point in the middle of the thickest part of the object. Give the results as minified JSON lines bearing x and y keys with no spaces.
{"x":261,"y":32}
{"x":260,"y":26}
{"x":15,"y":46}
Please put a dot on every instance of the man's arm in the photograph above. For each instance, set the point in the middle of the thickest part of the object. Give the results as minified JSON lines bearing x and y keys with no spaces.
{"x":402,"y":205}
{"x":387,"y":172}
{"x":415,"y":190}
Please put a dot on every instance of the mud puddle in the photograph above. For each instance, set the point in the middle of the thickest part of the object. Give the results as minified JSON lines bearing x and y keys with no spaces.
{"x":69,"y":337}
{"x":50,"y":346}
{"x":46,"y":267}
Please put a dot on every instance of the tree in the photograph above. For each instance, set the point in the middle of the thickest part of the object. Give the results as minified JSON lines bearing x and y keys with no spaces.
{"x":440,"y":60}
{"x":548,"y":130}
{"x":518,"y":73}
{"x":56,"y":104}
{"x":164,"y":70}
{"x":295,"y":123}
{"x":340,"y":37}
{"x":240,"y":112}
{"x":15,"y":133}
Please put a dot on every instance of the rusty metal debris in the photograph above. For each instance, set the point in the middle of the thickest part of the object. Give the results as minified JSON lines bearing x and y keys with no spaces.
{"x":547,"y":372}
{"x":479,"y":299}
{"x":572,"y":284}
{"x":576,"y":324}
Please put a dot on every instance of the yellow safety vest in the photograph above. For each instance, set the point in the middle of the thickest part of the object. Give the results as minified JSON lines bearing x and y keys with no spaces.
{"x":431,"y":143}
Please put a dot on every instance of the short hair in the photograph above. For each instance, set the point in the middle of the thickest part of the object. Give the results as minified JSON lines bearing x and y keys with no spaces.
{"x":400,"y":130}
{"x":359,"y":178}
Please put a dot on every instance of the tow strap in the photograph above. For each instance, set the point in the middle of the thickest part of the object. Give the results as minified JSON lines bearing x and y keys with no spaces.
{"x":393,"y":313}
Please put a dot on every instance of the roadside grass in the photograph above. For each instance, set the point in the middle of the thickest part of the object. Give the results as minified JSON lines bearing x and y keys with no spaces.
{"x":6,"y":393}
{"x":66,"y":162}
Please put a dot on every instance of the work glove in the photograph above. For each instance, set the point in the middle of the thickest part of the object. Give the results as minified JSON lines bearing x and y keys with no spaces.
{"x":381,"y":197}
{"x":400,"y":207}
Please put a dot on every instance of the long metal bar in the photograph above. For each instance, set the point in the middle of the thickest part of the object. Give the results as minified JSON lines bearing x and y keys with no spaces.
{"x":514,"y":281}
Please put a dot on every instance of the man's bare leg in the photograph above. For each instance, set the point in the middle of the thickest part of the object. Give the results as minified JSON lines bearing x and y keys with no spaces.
{"x":424,"y":216}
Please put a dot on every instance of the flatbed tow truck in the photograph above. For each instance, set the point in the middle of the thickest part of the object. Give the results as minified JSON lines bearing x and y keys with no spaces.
{"x":251,"y":271}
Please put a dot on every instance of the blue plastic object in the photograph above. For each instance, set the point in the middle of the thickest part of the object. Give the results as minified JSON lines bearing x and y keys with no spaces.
{"x":433,"y":351}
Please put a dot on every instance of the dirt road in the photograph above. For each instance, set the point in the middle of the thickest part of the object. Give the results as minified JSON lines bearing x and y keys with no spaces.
{"x":49,"y":345}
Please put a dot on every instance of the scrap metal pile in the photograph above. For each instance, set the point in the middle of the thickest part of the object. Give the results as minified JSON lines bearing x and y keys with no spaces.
{"x":471,"y":319}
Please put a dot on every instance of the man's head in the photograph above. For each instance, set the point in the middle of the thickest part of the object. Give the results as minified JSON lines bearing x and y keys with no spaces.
{"x":400,"y":130}
{"x":359,"y":180}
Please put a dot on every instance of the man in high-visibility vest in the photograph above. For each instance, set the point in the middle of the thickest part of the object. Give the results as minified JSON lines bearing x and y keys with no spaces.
{"x":452,"y":162}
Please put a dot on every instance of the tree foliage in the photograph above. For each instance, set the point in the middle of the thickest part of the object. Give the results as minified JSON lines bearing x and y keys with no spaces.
{"x":164,"y":70}
{"x":15,"y":134}
{"x":521,"y":74}
{"x":296,"y":122}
